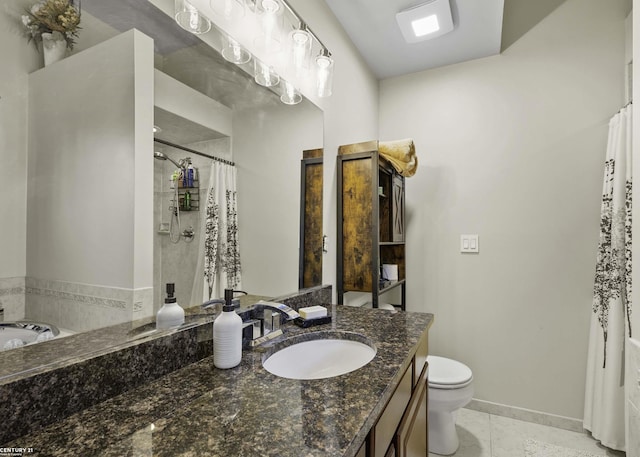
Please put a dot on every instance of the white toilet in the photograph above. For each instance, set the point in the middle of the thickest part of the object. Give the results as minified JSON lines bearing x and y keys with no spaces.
{"x":450,"y":388}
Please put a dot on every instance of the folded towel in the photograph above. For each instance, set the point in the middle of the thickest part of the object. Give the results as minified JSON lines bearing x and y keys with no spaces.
{"x":401,"y":154}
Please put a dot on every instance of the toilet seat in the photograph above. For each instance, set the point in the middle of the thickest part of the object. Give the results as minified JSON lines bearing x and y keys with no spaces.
{"x":448,"y":374}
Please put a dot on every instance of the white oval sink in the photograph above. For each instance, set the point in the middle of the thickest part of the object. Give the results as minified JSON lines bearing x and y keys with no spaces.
{"x":319,"y":359}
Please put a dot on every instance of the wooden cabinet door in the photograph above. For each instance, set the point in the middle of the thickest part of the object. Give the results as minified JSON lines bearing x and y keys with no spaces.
{"x":411,"y":438}
{"x":311,"y":241}
{"x":397,"y":203}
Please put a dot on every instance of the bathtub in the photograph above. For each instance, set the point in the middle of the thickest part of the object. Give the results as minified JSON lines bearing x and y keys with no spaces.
{"x":21,"y":333}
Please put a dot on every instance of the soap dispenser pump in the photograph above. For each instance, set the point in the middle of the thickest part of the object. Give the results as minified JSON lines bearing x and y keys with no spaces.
{"x":171,"y":314}
{"x":227,"y":335}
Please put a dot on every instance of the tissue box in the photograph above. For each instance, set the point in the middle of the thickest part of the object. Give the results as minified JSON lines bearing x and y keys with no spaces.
{"x":390,"y":272}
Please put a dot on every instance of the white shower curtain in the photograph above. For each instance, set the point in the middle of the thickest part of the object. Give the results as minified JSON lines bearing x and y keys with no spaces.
{"x":219,"y":260}
{"x":604,"y":410}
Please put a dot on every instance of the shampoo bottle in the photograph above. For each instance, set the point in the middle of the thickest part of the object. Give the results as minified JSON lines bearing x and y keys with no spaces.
{"x":171,"y":314}
{"x":190,"y":175}
{"x":227,"y":335}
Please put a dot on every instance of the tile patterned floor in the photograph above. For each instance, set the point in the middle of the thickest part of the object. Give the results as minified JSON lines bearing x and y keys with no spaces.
{"x":488,"y":435}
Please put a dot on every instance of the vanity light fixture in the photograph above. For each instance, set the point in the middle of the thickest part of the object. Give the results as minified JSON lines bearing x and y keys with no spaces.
{"x":190,"y":19}
{"x":272,"y":64}
{"x":233,"y":52}
{"x":290,"y":95}
{"x":426,"y":21}
{"x":324,"y":74}
{"x":264,"y":74}
{"x":270,"y":20}
{"x":231,"y":10}
{"x":300,"y":48}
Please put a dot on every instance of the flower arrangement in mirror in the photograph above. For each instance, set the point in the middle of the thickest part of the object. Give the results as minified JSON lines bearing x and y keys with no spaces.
{"x":55,"y":23}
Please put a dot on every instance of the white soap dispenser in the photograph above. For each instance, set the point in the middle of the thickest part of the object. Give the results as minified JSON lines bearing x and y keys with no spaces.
{"x":171,"y":314}
{"x":227,"y":335}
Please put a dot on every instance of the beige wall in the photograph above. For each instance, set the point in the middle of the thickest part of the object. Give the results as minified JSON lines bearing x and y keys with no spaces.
{"x":511,"y":148}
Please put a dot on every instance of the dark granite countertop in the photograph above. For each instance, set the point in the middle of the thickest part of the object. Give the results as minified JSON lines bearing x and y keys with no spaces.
{"x":200,"y":410}
{"x":33,"y":359}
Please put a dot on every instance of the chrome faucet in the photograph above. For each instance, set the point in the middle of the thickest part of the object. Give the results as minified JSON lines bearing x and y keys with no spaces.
{"x":288,"y":312}
{"x":266,"y":322}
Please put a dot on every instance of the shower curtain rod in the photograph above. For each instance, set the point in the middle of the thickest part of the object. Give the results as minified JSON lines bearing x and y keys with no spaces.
{"x":193,"y":151}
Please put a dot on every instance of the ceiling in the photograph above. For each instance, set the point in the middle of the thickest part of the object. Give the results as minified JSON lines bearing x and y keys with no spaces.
{"x":481,"y":28}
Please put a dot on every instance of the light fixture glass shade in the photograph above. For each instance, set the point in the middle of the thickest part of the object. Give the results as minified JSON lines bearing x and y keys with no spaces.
{"x":270,"y":19}
{"x":230,"y":10}
{"x":233,"y":52}
{"x":290,"y":95}
{"x":190,"y":19}
{"x":300,"y":42}
{"x":264,"y":74}
{"x":324,"y":75}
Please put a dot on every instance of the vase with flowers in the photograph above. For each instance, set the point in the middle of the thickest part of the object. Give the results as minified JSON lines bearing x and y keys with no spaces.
{"x":55,"y":24}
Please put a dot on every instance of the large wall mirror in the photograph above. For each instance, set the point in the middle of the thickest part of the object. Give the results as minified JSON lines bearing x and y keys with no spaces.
{"x":99,"y":237}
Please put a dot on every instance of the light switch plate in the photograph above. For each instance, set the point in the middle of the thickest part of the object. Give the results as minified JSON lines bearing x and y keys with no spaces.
{"x":469,"y":244}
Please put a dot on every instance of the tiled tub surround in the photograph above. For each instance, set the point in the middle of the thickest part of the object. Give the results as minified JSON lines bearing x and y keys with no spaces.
{"x":12,"y":298}
{"x":204,"y":411}
{"x":43,"y":383}
{"x":83,"y":307}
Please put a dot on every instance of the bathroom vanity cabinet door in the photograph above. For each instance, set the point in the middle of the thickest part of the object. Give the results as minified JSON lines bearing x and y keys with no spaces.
{"x":385,"y":430}
{"x":411,"y":438}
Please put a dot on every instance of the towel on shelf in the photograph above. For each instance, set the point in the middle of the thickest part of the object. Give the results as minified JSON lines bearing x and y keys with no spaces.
{"x":401,"y":154}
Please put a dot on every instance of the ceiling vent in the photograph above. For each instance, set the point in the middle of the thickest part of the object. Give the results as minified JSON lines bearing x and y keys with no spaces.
{"x":426,"y":21}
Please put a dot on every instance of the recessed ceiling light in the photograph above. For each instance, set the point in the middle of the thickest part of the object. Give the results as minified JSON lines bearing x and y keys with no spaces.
{"x":426,"y":21}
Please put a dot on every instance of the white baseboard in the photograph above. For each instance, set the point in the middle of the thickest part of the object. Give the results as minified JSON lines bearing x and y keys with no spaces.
{"x":527,"y":415}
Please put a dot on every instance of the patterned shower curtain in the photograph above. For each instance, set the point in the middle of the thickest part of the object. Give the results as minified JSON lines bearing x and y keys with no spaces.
{"x":604,"y":408}
{"x":219,"y":265}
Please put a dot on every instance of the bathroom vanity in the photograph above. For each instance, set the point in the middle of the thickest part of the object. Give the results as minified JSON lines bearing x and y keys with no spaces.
{"x":204,"y":411}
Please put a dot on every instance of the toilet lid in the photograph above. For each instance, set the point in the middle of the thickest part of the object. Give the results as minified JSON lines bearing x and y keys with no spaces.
{"x":447,"y":372}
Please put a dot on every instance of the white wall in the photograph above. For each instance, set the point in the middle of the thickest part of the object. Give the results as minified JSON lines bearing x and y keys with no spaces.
{"x":267,"y":145}
{"x":90,"y":166}
{"x":511,"y":147}
{"x":18,"y":59}
{"x":350,"y":114}
{"x":632,"y":384}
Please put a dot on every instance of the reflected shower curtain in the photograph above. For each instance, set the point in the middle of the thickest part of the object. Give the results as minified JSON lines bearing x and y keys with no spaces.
{"x":219,"y":260}
{"x":604,"y":411}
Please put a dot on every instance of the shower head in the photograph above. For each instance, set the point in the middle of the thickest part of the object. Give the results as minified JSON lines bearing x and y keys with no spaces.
{"x":161,"y":156}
